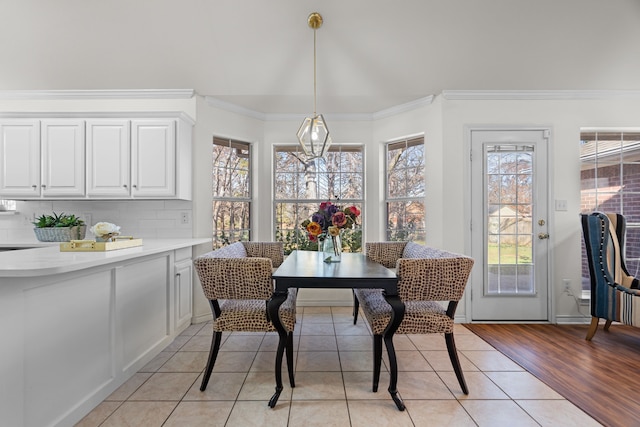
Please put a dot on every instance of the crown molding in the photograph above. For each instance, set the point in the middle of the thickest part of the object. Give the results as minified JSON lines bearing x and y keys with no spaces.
{"x":233,"y":108}
{"x":98,"y":94}
{"x":99,"y":115}
{"x":402,"y":108}
{"x":477,"y":95}
{"x":214,"y":102}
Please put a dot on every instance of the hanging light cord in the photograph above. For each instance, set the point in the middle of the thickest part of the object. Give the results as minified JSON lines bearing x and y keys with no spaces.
{"x":314,"y":72}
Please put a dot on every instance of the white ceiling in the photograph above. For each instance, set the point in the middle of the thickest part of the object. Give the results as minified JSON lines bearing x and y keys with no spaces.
{"x":372,"y":54}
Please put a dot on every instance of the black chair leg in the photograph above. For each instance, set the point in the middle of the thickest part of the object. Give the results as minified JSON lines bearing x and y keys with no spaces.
{"x":289,"y":352}
{"x":455,"y":362}
{"x":377,"y":360}
{"x":213,"y":354}
{"x":356,"y":306}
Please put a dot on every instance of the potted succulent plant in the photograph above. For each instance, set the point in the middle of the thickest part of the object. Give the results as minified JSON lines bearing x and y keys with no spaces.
{"x":59,"y":228}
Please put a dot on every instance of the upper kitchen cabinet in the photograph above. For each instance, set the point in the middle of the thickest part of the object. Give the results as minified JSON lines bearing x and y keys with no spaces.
{"x":153,"y":158}
{"x":139,"y":159}
{"x":97,"y":158}
{"x":63,"y":158}
{"x":108,"y":158}
{"x":42,"y":159}
{"x":20,"y":161}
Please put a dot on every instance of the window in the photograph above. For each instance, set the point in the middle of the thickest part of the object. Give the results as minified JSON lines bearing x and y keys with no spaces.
{"x":231,"y":191}
{"x":300,"y":187}
{"x":610,"y":182}
{"x":405,"y":190}
{"x":7,"y":205}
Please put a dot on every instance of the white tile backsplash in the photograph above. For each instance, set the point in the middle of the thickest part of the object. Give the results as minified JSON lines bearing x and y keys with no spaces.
{"x":138,"y":218}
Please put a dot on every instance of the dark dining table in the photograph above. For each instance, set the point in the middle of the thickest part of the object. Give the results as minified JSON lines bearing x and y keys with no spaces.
{"x":307,"y":269}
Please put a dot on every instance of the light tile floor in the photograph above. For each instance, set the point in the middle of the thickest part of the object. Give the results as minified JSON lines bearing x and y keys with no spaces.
{"x":333,"y":370}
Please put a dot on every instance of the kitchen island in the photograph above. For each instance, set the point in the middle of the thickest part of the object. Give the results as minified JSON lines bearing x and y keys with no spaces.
{"x":76,"y":325}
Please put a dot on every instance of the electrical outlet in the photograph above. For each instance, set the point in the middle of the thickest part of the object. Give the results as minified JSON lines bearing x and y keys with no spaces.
{"x":567,"y":285}
{"x":185,"y":218}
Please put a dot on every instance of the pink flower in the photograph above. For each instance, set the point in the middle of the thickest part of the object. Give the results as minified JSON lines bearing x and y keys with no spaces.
{"x":339,"y":219}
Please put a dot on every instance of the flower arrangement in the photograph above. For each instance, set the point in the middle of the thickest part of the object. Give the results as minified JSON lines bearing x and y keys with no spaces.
{"x":328,"y":220}
{"x":105,"y":231}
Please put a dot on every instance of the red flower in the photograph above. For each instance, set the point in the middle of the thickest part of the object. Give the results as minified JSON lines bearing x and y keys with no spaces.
{"x":354,"y":210}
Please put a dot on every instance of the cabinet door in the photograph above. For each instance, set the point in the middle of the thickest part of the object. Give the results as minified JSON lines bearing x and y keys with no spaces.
{"x":108,"y":158}
{"x":183,"y":298}
{"x":20,"y":158}
{"x":153,"y":158}
{"x":63,"y":162}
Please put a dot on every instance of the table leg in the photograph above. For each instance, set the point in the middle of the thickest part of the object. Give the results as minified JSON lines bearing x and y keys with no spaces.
{"x":397,"y":315}
{"x":273,"y":307}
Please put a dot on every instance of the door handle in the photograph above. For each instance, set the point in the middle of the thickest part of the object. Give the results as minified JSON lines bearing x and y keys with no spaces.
{"x":543,"y":236}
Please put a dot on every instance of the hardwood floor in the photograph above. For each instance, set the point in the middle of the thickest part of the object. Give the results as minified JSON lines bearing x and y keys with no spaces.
{"x":601,"y":376}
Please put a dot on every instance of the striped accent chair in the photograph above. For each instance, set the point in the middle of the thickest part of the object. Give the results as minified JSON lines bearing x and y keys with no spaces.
{"x":427,"y":278}
{"x":236,"y":279}
{"x":613,"y":289}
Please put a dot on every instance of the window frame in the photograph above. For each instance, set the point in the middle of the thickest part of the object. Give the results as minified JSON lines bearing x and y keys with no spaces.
{"x":248,"y":199}
{"x":613,"y":150}
{"x":407,"y":142}
{"x":298,"y":240}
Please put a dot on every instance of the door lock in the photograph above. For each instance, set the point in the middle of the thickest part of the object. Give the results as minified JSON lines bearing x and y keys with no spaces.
{"x":543,"y":236}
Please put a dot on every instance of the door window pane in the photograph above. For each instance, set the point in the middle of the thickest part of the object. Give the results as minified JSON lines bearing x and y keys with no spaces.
{"x":509,"y":190}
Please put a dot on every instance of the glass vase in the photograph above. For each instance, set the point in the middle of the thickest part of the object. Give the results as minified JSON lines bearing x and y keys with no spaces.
{"x":332,"y":248}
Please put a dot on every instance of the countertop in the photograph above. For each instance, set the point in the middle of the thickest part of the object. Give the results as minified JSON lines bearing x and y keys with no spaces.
{"x":48,"y":259}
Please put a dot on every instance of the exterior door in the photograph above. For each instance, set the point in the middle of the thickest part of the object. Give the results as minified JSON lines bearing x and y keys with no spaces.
{"x":509,"y":225}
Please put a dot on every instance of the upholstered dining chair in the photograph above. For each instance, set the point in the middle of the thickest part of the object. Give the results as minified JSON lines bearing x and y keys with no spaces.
{"x":427,"y":277}
{"x":613,"y":289}
{"x":236,"y":279}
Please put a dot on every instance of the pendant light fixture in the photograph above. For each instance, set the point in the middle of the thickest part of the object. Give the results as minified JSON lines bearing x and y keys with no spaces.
{"x":313,"y":133}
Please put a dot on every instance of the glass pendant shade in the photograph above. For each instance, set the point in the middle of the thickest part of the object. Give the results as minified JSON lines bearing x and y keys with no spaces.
{"x":314,"y":137}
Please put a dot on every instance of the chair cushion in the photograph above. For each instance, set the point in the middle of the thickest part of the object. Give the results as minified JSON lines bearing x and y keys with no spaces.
{"x":413,"y":250}
{"x":420,"y":317}
{"x":251,"y":315}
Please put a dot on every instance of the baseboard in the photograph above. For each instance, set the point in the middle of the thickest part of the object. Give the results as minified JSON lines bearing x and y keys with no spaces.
{"x":572,"y":320}
{"x":201,"y":318}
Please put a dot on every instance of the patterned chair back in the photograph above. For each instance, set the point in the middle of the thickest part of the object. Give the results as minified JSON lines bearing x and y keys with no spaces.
{"x":604,"y":236}
{"x":239,"y":272}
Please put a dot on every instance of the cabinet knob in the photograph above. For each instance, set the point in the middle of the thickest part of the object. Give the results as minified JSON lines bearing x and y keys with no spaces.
{"x":134,"y":186}
{"x":44,"y":185}
{"x":125,"y":185}
{"x":34,"y":186}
